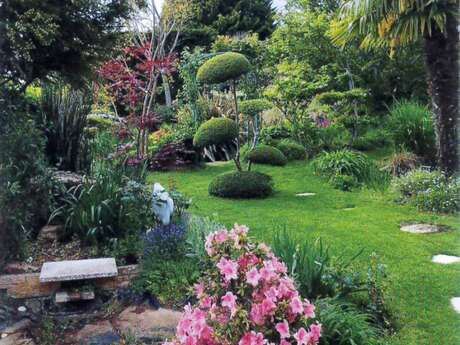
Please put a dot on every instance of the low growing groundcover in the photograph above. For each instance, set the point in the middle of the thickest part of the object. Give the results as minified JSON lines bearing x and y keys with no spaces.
{"x":419,"y":291}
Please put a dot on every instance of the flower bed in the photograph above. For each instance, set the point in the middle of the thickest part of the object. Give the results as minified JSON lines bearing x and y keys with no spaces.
{"x":246,"y":298}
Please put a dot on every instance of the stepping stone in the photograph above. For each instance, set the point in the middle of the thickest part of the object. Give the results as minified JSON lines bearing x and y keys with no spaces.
{"x":148,"y":323}
{"x":305,"y":194}
{"x":420,"y":228}
{"x":456,"y":304}
{"x":78,"y":270}
{"x":445,"y":259}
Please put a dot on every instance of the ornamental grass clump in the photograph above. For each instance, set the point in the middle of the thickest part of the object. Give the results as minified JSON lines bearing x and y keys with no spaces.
{"x":246,"y":298}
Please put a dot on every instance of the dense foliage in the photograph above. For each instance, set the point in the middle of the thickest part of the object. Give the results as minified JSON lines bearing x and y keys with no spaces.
{"x":253,"y":107}
{"x":291,"y":150}
{"x":223,"y":67}
{"x":241,"y":184}
{"x":215,"y":132}
{"x":264,"y":154}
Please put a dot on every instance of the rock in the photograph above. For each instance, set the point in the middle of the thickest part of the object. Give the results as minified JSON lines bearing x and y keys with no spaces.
{"x":305,"y":194}
{"x":67,"y":178}
{"x":420,"y":228}
{"x":18,"y":327}
{"x":78,"y":270}
{"x":73,"y":296}
{"x":19,"y":267}
{"x":22,"y":309}
{"x":35,"y":305}
{"x":98,"y":333}
{"x":50,"y":232}
{"x":148,"y":323}
{"x":456,"y":304}
{"x":445,"y":259}
{"x":4,"y":335}
{"x":162,"y":204}
{"x":16,"y":339}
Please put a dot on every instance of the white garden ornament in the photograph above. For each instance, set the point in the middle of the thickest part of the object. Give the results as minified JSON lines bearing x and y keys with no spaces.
{"x":162,"y":204}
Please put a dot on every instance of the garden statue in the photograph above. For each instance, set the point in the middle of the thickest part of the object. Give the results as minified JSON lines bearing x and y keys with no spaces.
{"x":162,"y":204}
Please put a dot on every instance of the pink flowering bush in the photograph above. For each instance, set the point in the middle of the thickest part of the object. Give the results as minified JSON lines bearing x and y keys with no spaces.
{"x":246,"y":298}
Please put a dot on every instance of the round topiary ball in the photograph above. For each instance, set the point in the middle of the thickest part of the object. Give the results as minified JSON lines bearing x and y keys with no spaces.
{"x":253,"y":107}
{"x":241,"y":184}
{"x":292,"y":150}
{"x":215,"y":131}
{"x":222,"y":68}
{"x":264,"y":154}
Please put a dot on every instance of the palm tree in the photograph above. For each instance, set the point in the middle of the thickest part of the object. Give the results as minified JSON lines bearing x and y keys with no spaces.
{"x":394,"y":23}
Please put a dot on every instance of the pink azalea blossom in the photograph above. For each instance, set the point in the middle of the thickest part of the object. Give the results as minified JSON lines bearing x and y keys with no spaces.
{"x":296,"y":305}
{"x":315,"y":333}
{"x":228,"y":268}
{"x":308,"y":309}
{"x":302,"y":337}
{"x":252,"y":338}
{"x":284,"y":342}
{"x":229,"y":301}
{"x":252,"y":277}
{"x":283,"y":329}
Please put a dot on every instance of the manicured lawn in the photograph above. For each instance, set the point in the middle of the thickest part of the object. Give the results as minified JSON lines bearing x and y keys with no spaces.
{"x":419,"y":290}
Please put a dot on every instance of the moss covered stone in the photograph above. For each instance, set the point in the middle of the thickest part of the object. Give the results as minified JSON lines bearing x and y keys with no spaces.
{"x":215,"y":131}
{"x":222,"y":68}
{"x":241,"y":184}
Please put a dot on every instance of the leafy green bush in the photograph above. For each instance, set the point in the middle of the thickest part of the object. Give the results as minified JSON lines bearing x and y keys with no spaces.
{"x":372,"y":139}
{"x":350,"y":163}
{"x":411,"y":126}
{"x":317,"y":273}
{"x":344,"y":183}
{"x":344,"y":324}
{"x":107,"y":205}
{"x":223,"y":67}
{"x":430,"y":191}
{"x":253,"y":107}
{"x":26,"y":184}
{"x":241,"y":184}
{"x":270,"y":135}
{"x":264,"y":154}
{"x":95,"y":120}
{"x":292,"y":150}
{"x":215,"y":131}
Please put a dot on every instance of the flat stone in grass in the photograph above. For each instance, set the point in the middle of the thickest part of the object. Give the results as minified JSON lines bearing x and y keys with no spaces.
{"x":78,"y":270}
{"x":305,"y":194}
{"x":445,"y":259}
{"x":456,"y":304}
{"x":420,"y":228}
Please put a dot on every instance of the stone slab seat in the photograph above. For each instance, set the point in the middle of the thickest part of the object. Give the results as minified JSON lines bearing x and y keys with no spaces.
{"x":61,"y":271}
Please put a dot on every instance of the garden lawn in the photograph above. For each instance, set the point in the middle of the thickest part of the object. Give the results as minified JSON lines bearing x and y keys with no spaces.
{"x":419,"y":291}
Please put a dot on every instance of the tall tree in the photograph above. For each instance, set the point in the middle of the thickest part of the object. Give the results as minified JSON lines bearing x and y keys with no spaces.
{"x":65,"y":36}
{"x":396,"y":23}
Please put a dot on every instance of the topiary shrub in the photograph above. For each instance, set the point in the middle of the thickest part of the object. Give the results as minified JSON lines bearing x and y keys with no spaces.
{"x":292,"y":150}
{"x":222,"y":68}
{"x":215,"y":132}
{"x":241,"y":184}
{"x":253,"y":107}
{"x":264,"y":154}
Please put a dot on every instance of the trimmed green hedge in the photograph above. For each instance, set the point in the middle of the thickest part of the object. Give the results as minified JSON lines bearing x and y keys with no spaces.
{"x":264,"y":154}
{"x":292,"y":150}
{"x":253,"y":107}
{"x":215,"y":131}
{"x":222,"y":68}
{"x":241,"y":184}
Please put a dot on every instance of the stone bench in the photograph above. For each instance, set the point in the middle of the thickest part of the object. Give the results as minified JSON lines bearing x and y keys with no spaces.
{"x":61,"y":271}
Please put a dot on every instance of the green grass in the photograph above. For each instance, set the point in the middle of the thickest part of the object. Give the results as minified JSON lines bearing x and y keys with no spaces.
{"x":419,"y":292}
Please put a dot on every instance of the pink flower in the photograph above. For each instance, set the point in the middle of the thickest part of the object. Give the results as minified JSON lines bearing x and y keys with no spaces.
{"x":252,"y":338}
{"x":284,"y":342}
{"x":221,"y":236}
{"x":308,"y":309}
{"x":283,"y":329}
{"x":240,"y":229}
{"x":268,"y":307}
{"x":257,"y":316}
{"x":296,"y":305}
{"x":199,"y":289}
{"x":228,"y":268}
{"x":302,"y":337}
{"x":229,"y":301}
{"x":252,"y":277}
{"x":272,"y":294}
{"x":315,"y":333}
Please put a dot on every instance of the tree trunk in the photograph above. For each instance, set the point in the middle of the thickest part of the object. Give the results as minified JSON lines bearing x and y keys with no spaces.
{"x":167,"y":88}
{"x":441,"y":51}
{"x":237,"y":120}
